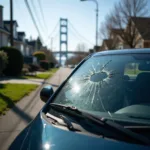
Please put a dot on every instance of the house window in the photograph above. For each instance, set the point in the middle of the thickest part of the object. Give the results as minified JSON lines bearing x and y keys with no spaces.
{"x":27,"y":51}
{"x":22,"y":49}
{"x":9,"y":44}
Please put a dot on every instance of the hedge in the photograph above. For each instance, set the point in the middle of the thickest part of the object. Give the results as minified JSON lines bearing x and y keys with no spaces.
{"x":44,"y":64}
{"x":15,"y":61}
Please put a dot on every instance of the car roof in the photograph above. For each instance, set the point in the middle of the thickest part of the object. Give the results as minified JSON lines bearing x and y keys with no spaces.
{"x":123,"y":51}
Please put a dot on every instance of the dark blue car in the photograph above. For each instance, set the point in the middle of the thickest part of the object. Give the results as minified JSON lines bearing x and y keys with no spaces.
{"x":103,"y":105}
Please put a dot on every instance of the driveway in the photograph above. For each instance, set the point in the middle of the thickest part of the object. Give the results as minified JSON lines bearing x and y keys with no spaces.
{"x":25,"y":110}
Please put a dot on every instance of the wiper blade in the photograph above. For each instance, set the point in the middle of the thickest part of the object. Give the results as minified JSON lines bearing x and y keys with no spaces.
{"x":107,"y":124}
{"x":74,"y":111}
{"x":66,"y":122}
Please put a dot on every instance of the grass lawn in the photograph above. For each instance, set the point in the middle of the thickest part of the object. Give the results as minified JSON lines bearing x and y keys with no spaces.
{"x":44,"y":75}
{"x":11,"y":93}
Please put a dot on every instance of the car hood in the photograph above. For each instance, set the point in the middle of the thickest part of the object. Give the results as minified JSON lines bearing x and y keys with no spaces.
{"x":40,"y":135}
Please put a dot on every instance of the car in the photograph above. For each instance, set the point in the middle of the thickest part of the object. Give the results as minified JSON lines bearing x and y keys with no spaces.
{"x":72,"y":66}
{"x":57,"y":66}
{"x":104,"y":104}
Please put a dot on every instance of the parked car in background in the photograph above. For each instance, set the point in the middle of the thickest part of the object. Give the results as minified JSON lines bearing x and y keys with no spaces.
{"x":103,"y":105}
{"x":57,"y":66}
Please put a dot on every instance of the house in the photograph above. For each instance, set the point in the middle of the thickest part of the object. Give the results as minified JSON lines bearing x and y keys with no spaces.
{"x":142,"y":24}
{"x":20,"y":42}
{"x":136,"y":33}
{"x":118,"y":42}
{"x":17,"y":42}
{"x":29,"y":50}
{"x":4,"y":32}
{"x":36,"y":44}
{"x":107,"y":44}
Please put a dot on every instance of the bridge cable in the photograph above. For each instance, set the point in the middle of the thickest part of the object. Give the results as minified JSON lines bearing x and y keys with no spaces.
{"x":80,"y":34}
{"x":77,"y":36}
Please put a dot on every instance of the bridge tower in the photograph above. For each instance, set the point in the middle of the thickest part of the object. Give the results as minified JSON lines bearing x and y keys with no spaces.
{"x":63,"y":37}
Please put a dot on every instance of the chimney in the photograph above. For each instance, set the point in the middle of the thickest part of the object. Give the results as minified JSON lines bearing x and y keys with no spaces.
{"x":1,"y":17}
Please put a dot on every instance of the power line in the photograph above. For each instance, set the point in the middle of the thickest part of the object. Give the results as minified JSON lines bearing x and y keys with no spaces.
{"x":36,"y":14}
{"x":33,"y":19}
{"x":42,"y":13}
{"x":80,"y":34}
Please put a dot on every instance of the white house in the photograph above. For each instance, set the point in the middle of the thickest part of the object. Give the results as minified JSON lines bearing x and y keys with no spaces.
{"x":4,"y":32}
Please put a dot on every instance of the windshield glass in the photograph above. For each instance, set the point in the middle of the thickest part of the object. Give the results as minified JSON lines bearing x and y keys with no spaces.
{"x":115,"y":86}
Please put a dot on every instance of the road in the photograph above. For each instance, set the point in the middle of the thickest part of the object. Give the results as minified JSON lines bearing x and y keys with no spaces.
{"x":25,"y":111}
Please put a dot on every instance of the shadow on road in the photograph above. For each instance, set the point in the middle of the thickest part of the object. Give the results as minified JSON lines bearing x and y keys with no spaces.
{"x":16,"y":109}
{"x":44,"y":82}
{"x":12,"y":78}
{"x":2,"y":86}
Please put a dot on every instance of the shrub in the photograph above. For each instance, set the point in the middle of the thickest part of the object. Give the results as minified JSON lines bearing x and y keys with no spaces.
{"x":15,"y":61}
{"x":26,"y":66}
{"x":25,"y":71}
{"x":40,"y":55}
{"x":51,"y":65}
{"x":33,"y":67}
{"x":3,"y":61}
{"x":41,"y":70}
{"x":44,"y":64}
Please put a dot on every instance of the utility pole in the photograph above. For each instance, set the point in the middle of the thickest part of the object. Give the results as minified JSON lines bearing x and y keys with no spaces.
{"x":11,"y":23}
{"x":52,"y":44}
{"x":97,"y":16}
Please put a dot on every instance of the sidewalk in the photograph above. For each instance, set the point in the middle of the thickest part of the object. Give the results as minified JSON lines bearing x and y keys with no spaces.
{"x":23,"y":81}
{"x":25,"y":110}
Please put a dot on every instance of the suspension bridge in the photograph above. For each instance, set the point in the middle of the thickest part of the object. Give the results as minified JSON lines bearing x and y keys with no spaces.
{"x":60,"y":34}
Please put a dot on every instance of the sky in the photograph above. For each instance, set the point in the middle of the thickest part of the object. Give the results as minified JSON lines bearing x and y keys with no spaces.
{"x":80,"y":15}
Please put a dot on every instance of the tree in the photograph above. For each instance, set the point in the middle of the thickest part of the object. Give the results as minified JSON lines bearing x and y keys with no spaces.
{"x":121,"y":18}
{"x":75,"y":59}
{"x":3,"y":61}
{"x":40,"y":55}
{"x":106,"y":27}
{"x":39,"y":43}
{"x":81,"y":47}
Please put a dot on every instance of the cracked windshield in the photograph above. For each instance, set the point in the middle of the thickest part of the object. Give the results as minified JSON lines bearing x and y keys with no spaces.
{"x":77,"y":66}
{"x":108,"y":86}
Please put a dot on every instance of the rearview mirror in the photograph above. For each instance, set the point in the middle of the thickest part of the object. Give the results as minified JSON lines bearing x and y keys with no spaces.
{"x":46,"y":93}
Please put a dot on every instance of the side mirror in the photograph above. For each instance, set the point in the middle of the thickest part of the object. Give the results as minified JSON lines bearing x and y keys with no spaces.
{"x":46,"y":93}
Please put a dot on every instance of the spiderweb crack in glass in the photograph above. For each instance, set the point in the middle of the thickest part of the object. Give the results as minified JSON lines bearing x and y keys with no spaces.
{"x":89,"y":85}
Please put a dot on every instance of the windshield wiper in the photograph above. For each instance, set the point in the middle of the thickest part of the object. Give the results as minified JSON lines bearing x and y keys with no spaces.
{"x":66,"y":122}
{"x":106,"y":124}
